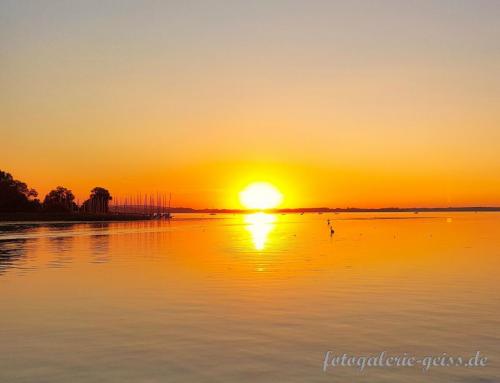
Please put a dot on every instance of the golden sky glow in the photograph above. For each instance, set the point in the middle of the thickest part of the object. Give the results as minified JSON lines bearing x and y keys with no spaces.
{"x":335,"y":103}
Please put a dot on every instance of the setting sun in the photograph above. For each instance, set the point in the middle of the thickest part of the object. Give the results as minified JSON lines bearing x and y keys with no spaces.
{"x":260,"y":195}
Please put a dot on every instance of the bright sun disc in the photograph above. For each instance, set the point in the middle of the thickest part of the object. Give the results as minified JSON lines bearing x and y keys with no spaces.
{"x":260,"y":195}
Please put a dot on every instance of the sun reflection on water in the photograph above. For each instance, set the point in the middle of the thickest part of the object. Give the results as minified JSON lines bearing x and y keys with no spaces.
{"x":260,"y":225}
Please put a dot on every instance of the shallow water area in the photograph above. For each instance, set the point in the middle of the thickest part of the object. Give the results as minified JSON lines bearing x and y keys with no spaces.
{"x":248,"y":298}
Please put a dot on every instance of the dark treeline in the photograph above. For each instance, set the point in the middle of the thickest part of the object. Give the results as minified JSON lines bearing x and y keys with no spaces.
{"x":17,"y":197}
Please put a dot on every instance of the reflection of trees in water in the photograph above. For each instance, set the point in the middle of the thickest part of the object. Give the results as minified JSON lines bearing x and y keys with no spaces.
{"x":57,"y":226}
{"x":99,"y":225}
{"x":99,"y":243}
{"x":58,"y":244}
{"x":61,"y":248}
{"x":12,"y":254}
{"x":24,"y":228}
{"x":17,"y":227}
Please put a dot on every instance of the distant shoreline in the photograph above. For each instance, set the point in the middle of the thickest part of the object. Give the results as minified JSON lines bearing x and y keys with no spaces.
{"x":350,"y":210}
{"x":80,"y":217}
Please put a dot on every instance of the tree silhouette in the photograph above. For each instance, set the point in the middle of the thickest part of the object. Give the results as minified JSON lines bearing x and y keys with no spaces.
{"x":98,"y":201}
{"x":59,"y":200}
{"x":15,"y":196}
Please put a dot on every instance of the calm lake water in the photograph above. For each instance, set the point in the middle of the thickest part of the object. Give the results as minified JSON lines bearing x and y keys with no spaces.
{"x":257,"y":298}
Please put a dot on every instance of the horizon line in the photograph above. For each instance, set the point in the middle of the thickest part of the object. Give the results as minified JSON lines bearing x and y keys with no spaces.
{"x":181,"y":209}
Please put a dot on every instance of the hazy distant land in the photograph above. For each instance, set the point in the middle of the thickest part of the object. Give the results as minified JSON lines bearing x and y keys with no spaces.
{"x":348,"y":210}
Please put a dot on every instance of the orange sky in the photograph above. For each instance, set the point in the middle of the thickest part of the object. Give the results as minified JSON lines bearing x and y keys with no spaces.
{"x":393,"y":104}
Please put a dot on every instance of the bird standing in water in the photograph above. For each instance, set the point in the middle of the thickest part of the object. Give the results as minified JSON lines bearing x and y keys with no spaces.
{"x":330,"y":227}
